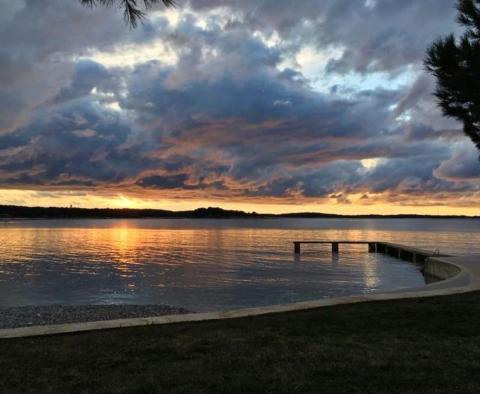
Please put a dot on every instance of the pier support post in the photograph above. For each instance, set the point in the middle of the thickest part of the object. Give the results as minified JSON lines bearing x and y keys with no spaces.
{"x":414,"y":257}
{"x":334,"y":247}
{"x":372,"y":247}
{"x":296,"y":247}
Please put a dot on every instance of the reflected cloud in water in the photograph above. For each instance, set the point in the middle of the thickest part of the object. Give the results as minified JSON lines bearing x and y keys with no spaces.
{"x":200,"y":264}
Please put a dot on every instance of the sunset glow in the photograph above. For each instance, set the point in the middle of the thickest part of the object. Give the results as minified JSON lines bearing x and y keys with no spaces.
{"x":279,"y":109}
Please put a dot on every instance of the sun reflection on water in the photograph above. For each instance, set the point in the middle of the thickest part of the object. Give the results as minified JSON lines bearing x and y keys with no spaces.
{"x":201,"y":265}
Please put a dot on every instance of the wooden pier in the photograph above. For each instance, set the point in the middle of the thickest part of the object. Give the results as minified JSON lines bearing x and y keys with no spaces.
{"x":400,"y":251}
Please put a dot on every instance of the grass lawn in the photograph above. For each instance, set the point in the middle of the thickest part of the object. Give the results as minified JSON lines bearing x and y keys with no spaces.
{"x":424,"y":345}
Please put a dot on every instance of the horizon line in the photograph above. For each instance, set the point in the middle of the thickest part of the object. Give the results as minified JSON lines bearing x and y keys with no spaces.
{"x":232,"y":211}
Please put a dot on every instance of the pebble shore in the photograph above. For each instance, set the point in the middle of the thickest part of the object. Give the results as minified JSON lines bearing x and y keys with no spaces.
{"x":25,"y":316}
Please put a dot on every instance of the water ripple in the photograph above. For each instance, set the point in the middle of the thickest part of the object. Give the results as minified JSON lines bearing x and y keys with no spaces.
{"x":206,"y":264}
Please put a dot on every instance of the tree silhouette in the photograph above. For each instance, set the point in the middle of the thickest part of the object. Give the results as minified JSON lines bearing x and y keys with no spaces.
{"x":131,"y":11}
{"x":456,"y":66}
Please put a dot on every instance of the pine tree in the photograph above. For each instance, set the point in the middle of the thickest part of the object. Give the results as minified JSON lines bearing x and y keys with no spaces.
{"x":456,"y":65}
{"x":131,"y":11}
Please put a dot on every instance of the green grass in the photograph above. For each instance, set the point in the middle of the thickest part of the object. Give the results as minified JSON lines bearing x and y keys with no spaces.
{"x":409,"y":346}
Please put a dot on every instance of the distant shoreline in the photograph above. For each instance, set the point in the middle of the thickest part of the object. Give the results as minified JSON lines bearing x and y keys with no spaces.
{"x":21,"y":212}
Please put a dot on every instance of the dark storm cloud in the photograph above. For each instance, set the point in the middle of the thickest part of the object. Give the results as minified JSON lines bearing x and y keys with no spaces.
{"x":314,"y":183}
{"x":164,"y":182}
{"x":234,"y":115}
{"x":462,"y":166}
{"x":39,"y":39}
{"x":78,"y":143}
{"x":377,"y":35}
{"x":87,"y":76}
{"x":179,"y":181}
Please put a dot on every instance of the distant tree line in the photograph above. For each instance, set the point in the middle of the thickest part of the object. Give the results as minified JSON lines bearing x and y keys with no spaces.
{"x":13,"y":211}
{"x":18,"y":212}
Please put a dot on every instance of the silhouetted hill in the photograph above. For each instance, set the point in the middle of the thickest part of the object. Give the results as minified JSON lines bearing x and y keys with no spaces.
{"x":14,"y":211}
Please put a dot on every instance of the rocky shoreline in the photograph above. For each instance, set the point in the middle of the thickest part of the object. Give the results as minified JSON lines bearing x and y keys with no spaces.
{"x":26,"y":316}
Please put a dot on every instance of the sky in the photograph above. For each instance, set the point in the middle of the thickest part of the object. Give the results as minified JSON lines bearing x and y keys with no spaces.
{"x":260,"y":105}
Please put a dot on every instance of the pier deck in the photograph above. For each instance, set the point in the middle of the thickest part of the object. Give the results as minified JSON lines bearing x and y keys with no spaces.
{"x":392,"y":249}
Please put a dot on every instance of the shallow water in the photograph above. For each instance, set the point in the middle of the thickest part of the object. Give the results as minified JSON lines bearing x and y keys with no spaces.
{"x":207,"y":265}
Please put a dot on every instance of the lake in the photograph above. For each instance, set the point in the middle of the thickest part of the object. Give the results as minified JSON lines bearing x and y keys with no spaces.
{"x":204,"y":264}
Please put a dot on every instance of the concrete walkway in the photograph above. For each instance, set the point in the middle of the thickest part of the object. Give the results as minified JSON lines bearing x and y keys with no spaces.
{"x":460,"y":274}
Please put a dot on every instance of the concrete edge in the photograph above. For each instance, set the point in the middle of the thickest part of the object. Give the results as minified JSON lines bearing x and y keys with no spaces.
{"x":465,"y":280}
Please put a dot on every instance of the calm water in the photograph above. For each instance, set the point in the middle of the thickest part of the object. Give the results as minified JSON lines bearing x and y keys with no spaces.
{"x":210,"y":264}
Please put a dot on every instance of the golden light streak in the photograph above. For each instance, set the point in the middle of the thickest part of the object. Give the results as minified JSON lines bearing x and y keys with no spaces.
{"x":121,"y":200}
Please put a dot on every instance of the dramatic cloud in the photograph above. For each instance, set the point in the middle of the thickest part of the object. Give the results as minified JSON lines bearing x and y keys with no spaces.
{"x":269,"y":101}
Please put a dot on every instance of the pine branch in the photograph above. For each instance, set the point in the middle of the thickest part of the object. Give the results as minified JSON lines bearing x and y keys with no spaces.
{"x":131,"y":11}
{"x":455,"y":63}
